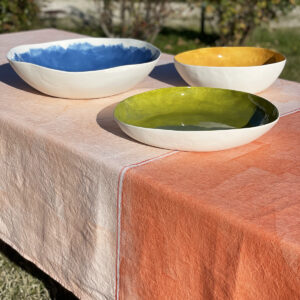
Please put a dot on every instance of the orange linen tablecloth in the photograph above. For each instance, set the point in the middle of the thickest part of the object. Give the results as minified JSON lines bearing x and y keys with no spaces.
{"x":110,"y":218}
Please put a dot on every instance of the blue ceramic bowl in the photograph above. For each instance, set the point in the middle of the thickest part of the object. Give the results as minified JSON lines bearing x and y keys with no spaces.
{"x":84,"y":68}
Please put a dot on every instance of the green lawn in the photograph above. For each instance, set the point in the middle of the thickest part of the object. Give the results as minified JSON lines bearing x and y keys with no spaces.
{"x":20,"y":279}
{"x":16,"y":283}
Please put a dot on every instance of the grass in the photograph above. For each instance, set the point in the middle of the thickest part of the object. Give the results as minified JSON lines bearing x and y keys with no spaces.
{"x":19,"y":279}
{"x":16,"y":283}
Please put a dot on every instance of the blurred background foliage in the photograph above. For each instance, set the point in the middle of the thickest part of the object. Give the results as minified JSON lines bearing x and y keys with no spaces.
{"x":236,"y":20}
{"x":142,"y":19}
{"x":18,"y":15}
{"x":233,"y":21}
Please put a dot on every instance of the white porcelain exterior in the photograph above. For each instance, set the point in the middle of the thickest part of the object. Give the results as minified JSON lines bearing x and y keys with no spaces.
{"x":83,"y":85}
{"x":198,"y":141}
{"x":252,"y":79}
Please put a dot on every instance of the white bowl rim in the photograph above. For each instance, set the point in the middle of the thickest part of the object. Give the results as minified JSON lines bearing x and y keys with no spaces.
{"x":47,"y":44}
{"x":202,"y":131}
{"x":232,"y":67}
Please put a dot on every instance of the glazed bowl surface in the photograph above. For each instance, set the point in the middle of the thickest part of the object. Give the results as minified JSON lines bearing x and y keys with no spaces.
{"x":195,"y":118}
{"x":84,"y":68}
{"x":248,"y":69}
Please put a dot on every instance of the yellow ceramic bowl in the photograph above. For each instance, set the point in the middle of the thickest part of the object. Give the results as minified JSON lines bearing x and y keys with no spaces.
{"x":248,"y":69}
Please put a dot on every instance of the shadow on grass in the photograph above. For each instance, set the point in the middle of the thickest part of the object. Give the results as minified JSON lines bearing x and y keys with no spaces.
{"x":55,"y":290}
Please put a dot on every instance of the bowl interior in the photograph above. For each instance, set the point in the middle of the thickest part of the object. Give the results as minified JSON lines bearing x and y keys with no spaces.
{"x":195,"y":108}
{"x":229,"y":57}
{"x":85,"y":56}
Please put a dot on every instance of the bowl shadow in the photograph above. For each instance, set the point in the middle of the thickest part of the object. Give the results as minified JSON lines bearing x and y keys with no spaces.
{"x":9,"y":77}
{"x":167,"y":73}
{"x":105,"y":119}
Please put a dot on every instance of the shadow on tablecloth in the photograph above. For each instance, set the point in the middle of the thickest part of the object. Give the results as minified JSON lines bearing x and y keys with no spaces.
{"x":9,"y":77}
{"x":105,"y":120}
{"x":167,"y":73}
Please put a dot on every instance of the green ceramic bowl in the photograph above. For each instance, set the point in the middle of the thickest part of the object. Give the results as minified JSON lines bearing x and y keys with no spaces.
{"x":195,"y":118}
